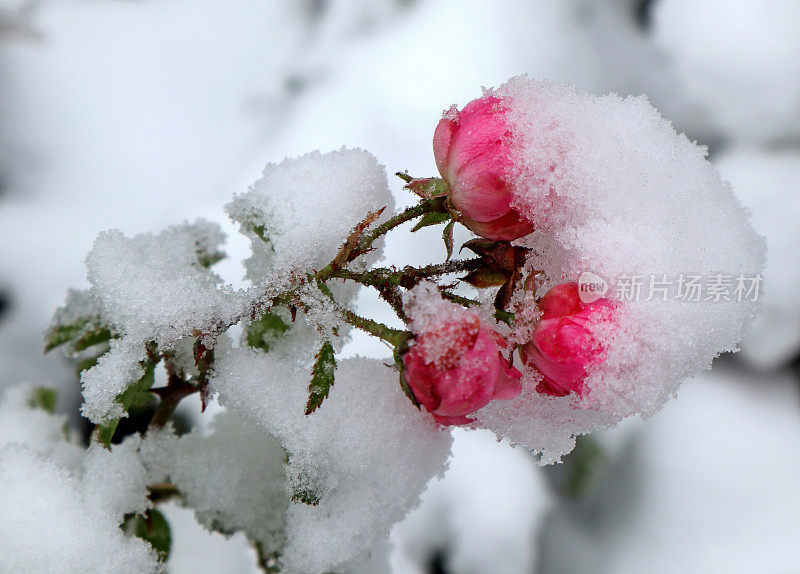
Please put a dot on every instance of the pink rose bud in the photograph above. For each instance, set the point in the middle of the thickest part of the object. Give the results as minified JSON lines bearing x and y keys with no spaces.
{"x":471,"y":151}
{"x":564,"y":344}
{"x":455,"y":367}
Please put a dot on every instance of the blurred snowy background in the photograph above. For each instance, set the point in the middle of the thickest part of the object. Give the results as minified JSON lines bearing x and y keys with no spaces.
{"x":136,"y":114}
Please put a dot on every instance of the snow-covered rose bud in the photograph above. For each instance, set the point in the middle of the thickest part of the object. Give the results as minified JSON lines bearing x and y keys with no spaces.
{"x":455,"y":367}
{"x":564,"y":344}
{"x":471,"y":152}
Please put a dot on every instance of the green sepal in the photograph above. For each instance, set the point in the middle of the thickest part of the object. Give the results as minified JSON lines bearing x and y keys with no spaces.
{"x":480,"y":246}
{"x":43,"y":398}
{"x":399,"y":351}
{"x":431,"y":218}
{"x":447,"y":236}
{"x":505,"y":317}
{"x":426,"y":187}
{"x":264,"y":331}
{"x":486,"y":277}
{"x":153,"y":528}
{"x":322,"y":376}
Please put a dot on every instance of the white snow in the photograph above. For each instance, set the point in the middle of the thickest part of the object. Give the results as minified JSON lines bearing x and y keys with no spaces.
{"x":233,"y":479}
{"x":366,"y":453}
{"x":62,"y":505}
{"x":307,"y":207}
{"x":153,"y":287}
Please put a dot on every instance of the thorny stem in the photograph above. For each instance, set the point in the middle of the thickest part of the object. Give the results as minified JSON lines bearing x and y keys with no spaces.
{"x":176,"y":390}
{"x":386,"y":280}
{"x":423,"y":207}
{"x":392,"y":336}
{"x":408,"y":276}
{"x":499,"y":314}
{"x":162,"y":491}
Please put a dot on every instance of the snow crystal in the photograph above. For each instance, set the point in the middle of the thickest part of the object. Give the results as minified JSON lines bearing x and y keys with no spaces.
{"x":363,"y":457}
{"x":233,"y":479}
{"x":307,"y":206}
{"x":612,"y":189}
{"x":156,"y":287}
{"x":54,"y":520}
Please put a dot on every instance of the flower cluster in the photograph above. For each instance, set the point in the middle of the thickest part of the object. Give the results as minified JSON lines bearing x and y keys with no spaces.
{"x":455,"y":367}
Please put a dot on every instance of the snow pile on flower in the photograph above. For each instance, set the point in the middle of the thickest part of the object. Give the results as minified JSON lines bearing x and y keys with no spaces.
{"x":611,"y":189}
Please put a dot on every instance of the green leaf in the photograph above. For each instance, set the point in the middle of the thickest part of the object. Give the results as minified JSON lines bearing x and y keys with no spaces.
{"x":43,"y":398}
{"x":209,"y":258}
{"x":152,"y":528}
{"x":430,"y":218}
{"x":263,"y":332}
{"x":505,"y":317}
{"x":261,"y":231}
{"x":91,"y":338}
{"x":62,"y":334}
{"x":426,"y":187}
{"x":447,"y":236}
{"x":81,"y":335}
{"x":136,"y":395}
{"x":321,"y":377}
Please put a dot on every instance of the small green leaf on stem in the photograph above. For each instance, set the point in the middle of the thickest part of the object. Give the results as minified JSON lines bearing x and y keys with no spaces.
{"x":135,"y":395}
{"x":95,"y":337}
{"x":321,"y":377}
{"x":432,"y":218}
{"x":428,"y":187}
{"x":153,"y":528}
{"x":265,"y":331}
{"x":62,"y":334}
{"x":43,"y":398}
{"x":81,"y":335}
{"x":447,"y":236}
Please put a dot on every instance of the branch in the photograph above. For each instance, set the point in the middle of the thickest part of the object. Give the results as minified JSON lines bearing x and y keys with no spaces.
{"x":423,"y":207}
{"x":176,"y":390}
